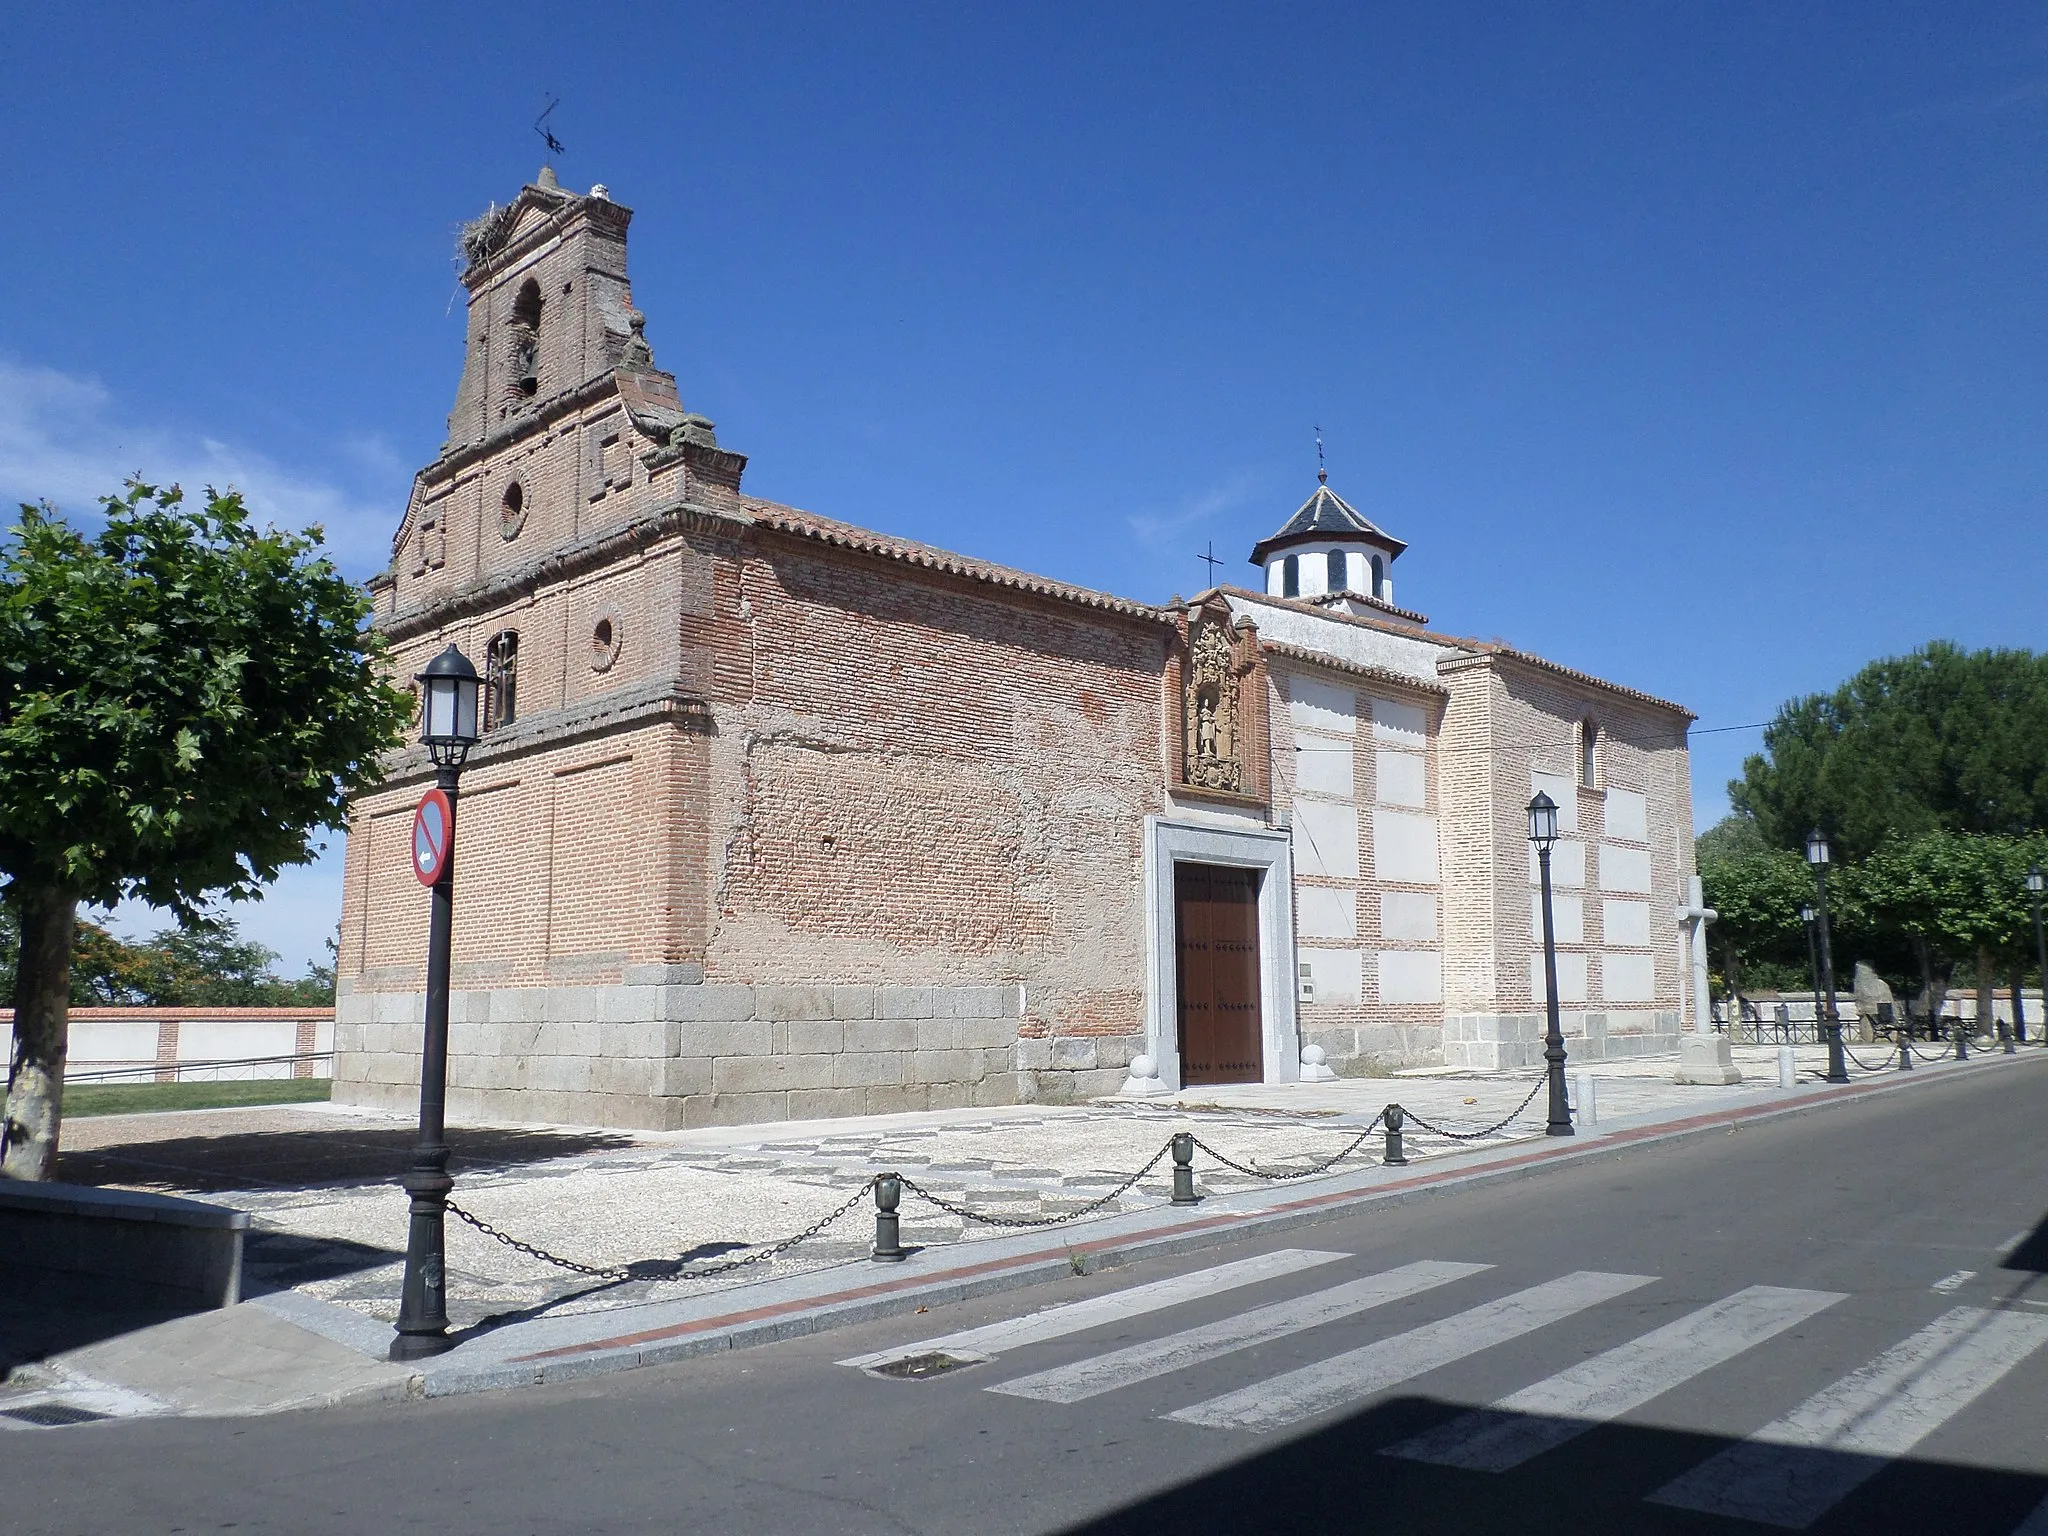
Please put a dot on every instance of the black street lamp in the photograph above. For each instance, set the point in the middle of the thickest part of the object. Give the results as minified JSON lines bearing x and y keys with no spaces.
{"x":2034,"y":883}
{"x":448,"y":727}
{"x":1543,"y":833}
{"x":1831,"y":1028}
{"x":1813,"y":968}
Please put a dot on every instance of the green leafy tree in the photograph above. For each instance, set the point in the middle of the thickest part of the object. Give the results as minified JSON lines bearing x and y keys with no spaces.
{"x":1731,"y":837}
{"x":1945,"y":896}
{"x":1756,"y":932}
{"x":1942,"y":740}
{"x":185,"y":700}
{"x":209,"y":967}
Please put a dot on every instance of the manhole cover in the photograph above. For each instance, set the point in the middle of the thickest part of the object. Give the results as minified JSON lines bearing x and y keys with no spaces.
{"x":918,"y":1367}
{"x":51,"y":1415}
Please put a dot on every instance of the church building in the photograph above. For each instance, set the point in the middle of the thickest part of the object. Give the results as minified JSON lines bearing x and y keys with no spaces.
{"x":775,"y":817}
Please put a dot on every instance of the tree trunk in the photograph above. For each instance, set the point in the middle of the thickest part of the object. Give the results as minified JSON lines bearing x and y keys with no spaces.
{"x":42,"y":1016}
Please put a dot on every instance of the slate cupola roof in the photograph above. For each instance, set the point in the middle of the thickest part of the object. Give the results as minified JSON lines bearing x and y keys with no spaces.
{"x":1324,"y":516}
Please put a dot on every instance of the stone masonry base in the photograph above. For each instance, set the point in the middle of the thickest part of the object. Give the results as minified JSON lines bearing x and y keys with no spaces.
{"x":1493,"y":1042}
{"x":665,"y":1050}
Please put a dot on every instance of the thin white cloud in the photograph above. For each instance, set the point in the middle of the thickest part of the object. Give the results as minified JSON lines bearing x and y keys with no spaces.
{"x":68,"y":440}
{"x":1164,"y":529}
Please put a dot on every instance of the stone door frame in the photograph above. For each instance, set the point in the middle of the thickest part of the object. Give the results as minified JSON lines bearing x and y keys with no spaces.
{"x":1272,"y":854}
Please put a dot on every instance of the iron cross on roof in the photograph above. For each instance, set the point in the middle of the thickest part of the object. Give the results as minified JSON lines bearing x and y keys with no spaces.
{"x":1209,"y":558}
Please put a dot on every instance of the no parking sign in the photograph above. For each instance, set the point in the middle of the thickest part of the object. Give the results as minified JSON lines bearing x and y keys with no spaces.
{"x":432,"y":824}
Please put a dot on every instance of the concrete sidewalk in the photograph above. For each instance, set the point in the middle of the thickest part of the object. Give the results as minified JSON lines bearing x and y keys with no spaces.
{"x":289,"y":1348}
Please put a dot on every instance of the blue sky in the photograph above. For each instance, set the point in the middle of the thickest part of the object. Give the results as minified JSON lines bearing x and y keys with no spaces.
{"x":1698,"y":346}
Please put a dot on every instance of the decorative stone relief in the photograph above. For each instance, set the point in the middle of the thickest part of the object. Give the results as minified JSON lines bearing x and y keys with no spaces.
{"x":1214,"y":725}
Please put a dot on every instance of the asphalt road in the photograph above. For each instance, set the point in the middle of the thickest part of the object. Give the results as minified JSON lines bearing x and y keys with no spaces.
{"x":1860,"y":1284}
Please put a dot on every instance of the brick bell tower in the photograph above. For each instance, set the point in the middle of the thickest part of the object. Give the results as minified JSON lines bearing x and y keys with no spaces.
{"x":562,"y":422}
{"x":567,"y":536}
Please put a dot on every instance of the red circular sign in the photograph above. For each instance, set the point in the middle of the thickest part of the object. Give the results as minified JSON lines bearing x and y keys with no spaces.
{"x":432,"y":823}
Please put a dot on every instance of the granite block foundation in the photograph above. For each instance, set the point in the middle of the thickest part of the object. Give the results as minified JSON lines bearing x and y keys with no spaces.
{"x":659,"y":1054}
{"x":1504,"y":1042}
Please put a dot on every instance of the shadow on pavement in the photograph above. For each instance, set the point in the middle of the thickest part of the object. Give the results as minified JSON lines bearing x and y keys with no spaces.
{"x":42,"y":1317}
{"x":2032,"y":1253}
{"x":1334,"y":1480}
{"x":199,"y":1163}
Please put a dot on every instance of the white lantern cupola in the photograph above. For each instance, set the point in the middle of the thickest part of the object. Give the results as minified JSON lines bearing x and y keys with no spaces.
{"x":1329,"y":554}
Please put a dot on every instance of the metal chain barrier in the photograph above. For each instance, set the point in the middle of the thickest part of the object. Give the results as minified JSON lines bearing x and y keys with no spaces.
{"x":1282,"y":1176}
{"x":1864,"y":1065}
{"x":675,"y":1269}
{"x":966,"y":1213}
{"x":1494,"y":1129}
{"x":651,"y":1269}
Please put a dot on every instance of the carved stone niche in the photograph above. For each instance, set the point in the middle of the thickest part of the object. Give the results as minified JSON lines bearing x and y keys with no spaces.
{"x":1221,"y":693}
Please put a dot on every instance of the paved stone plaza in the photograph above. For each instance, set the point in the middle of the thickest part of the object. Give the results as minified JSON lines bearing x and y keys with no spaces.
{"x":329,"y":1221}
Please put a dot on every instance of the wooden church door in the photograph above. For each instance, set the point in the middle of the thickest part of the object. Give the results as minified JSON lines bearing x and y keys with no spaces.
{"x":1216,"y":924}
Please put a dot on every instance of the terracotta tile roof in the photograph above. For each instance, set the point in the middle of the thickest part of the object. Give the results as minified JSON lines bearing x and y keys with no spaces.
{"x":808,"y":525}
{"x":1499,"y":648}
{"x":1478,"y":648}
{"x":1353,"y":668}
{"x":1338,"y":616}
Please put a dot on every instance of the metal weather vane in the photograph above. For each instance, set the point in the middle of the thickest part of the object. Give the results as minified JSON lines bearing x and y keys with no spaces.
{"x":540,"y":126}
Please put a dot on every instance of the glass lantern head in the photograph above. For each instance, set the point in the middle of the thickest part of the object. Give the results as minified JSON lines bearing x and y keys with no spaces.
{"x":1542,"y":820}
{"x":448,"y":707}
{"x":1817,"y":849}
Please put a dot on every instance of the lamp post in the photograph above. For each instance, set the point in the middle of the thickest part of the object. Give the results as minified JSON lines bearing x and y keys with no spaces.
{"x":1543,"y":833}
{"x":1813,"y":968}
{"x":1817,"y":855}
{"x":2034,"y":883}
{"x":448,"y":727}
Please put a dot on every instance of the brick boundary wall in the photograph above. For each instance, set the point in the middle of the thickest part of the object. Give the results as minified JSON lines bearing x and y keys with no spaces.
{"x":159,"y":1038}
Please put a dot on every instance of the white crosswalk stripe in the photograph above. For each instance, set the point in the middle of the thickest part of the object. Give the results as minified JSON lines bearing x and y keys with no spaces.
{"x":1079,"y":1316}
{"x":1795,"y":1469}
{"x":1357,"y":1373}
{"x":1158,"y":1357}
{"x":1529,"y":1422}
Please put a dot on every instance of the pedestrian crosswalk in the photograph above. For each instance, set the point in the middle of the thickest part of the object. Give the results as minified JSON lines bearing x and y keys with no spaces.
{"x":1787,"y":1474}
{"x":1527,"y":1423}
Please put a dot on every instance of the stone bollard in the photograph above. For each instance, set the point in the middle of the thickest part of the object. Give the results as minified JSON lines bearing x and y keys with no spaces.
{"x":1395,"y":1117}
{"x":2005,"y":1034}
{"x":1788,"y":1068}
{"x":1585,"y":1101}
{"x":1962,"y":1042}
{"x":1184,"y":1169}
{"x":1906,"y":1046}
{"x":888,"y":1195}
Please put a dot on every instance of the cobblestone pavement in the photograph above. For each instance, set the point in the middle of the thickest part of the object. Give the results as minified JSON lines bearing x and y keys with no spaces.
{"x":328,"y":1221}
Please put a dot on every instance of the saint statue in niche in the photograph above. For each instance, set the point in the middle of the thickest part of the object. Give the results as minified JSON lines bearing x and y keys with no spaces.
{"x":1213,"y":759}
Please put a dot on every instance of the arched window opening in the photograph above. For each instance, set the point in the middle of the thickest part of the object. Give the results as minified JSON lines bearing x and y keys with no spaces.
{"x":512,"y":511}
{"x":501,"y":680}
{"x":1335,"y":580}
{"x":1379,"y":577}
{"x":526,"y":338}
{"x":1290,"y":577}
{"x":1589,"y":754}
